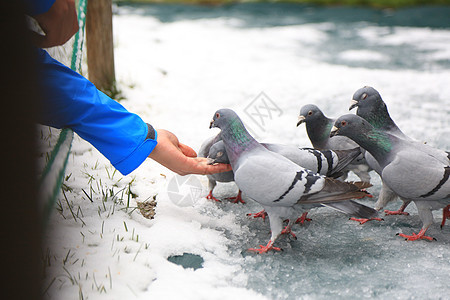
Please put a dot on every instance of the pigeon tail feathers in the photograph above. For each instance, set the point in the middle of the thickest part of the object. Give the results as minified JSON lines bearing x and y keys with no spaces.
{"x":335,"y":191}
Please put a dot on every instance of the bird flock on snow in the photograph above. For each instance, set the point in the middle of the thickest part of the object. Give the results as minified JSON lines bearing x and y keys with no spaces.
{"x":288,"y":181}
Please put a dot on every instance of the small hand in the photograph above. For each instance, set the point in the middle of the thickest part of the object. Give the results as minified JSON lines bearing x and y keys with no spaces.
{"x":181,"y":158}
{"x":59,"y":24}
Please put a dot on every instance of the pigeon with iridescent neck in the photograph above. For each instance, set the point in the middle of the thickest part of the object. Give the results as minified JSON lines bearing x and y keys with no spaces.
{"x":371,"y":107}
{"x":283,"y":188}
{"x":325,"y":162}
{"x":404,"y":167}
{"x":318,"y":127}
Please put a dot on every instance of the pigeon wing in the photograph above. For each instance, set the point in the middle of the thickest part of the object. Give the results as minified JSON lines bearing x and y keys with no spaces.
{"x":273,"y":180}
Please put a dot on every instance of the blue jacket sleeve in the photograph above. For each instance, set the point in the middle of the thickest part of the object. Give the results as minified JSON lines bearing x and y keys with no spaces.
{"x":36,"y":7}
{"x":73,"y":101}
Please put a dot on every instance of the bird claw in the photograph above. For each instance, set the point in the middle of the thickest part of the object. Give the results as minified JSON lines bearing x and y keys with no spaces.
{"x":237,"y":199}
{"x":288,"y":231}
{"x":396,"y":212}
{"x":363,"y":221}
{"x":415,"y":237}
{"x":211,"y":197}
{"x":262,"y":214}
{"x":303,"y":218}
{"x":264,"y":249}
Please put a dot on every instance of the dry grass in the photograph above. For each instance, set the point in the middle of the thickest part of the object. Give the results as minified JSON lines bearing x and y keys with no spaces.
{"x":147,"y":208}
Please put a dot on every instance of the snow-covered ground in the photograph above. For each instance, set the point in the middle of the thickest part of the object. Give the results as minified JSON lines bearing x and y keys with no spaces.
{"x":175,"y":74}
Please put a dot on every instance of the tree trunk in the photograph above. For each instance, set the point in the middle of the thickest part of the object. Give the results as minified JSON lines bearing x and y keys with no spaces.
{"x":99,"y":43}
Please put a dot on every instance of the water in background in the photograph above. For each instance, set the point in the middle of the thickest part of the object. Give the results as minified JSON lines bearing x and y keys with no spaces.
{"x":319,"y":55}
{"x":346,"y":29}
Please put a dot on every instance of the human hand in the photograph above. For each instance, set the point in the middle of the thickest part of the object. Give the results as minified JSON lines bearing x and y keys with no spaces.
{"x":59,"y":24}
{"x":180,"y":158}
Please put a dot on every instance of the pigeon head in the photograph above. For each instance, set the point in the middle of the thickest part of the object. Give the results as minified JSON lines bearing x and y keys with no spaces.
{"x":223,"y":118}
{"x":367,"y":99}
{"x":350,"y":126}
{"x":363,"y":133}
{"x":309,"y":113}
{"x":372,"y":108}
{"x":218,"y":154}
{"x":235,"y":137}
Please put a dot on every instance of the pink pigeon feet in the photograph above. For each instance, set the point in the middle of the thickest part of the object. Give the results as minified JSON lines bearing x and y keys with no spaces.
{"x":303,"y":218}
{"x":400,"y":211}
{"x":238,"y":198}
{"x":363,"y":221}
{"x":211,"y":197}
{"x":262,"y":214}
{"x":396,"y":212}
{"x":414,"y":237}
{"x":264,"y":249}
{"x":288,"y":230}
{"x":445,"y":215}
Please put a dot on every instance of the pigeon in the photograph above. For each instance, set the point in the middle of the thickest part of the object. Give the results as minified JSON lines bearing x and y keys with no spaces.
{"x":318,"y":127}
{"x":404,"y":167}
{"x":212,"y":147}
{"x":371,"y":107}
{"x":282,"y":187}
{"x":326,"y":162}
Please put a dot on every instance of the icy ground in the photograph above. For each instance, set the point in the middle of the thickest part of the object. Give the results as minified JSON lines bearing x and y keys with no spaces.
{"x":177,"y":65}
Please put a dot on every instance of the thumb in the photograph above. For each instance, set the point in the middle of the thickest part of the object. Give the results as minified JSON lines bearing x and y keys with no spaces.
{"x":186,"y":150}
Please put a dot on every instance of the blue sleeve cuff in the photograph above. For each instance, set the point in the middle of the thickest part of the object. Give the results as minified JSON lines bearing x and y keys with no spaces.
{"x":138,"y":156}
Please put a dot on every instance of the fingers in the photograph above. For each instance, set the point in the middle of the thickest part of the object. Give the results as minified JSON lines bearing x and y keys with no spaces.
{"x":181,"y":158}
{"x":199,"y":165}
{"x":186,"y":150}
{"x":218,"y":168}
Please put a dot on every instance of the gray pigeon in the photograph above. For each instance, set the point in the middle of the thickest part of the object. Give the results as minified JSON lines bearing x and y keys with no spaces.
{"x":327,"y":162}
{"x":282,"y":187}
{"x":318,"y":127}
{"x":404,"y":167}
{"x":213,"y":146}
{"x":371,"y":107}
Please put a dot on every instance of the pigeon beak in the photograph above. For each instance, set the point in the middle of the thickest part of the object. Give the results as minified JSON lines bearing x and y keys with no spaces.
{"x":301,"y":119}
{"x":353,"y":104}
{"x":211,"y":124}
{"x":210,"y":161}
{"x":334,"y":131}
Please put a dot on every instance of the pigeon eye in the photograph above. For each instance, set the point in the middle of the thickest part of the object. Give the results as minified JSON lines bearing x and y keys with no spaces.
{"x":343,"y":123}
{"x":310,"y":113}
{"x":217,"y":115}
{"x":219,"y":154}
{"x":364,"y":96}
